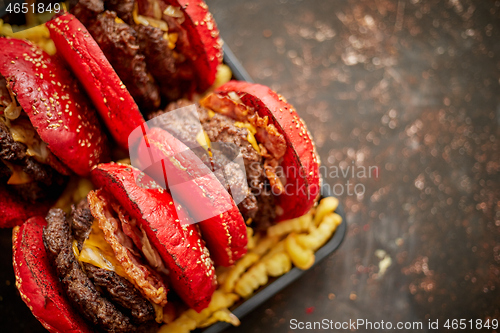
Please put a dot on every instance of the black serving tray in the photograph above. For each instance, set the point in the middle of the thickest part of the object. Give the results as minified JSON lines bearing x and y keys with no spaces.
{"x":275,"y":285}
{"x":16,"y":317}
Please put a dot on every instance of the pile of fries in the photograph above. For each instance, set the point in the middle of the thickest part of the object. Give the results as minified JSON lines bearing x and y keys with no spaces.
{"x":271,"y":254}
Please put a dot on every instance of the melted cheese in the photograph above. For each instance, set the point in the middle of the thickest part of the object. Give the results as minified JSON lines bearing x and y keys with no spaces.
{"x":96,"y":251}
{"x":251,"y":131}
{"x":203,"y":139}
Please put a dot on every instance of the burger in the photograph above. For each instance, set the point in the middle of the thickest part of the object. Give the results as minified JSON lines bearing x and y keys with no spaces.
{"x":48,"y":131}
{"x":115,"y":105}
{"x":132,"y":252}
{"x":162,"y":50}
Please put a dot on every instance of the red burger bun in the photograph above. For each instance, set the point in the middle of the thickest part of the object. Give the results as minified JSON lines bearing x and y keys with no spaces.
{"x":38,"y":283}
{"x":206,"y":199}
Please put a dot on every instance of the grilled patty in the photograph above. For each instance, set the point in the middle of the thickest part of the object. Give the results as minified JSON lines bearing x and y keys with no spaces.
{"x":120,"y":46}
{"x":122,"y":293}
{"x":118,"y":307}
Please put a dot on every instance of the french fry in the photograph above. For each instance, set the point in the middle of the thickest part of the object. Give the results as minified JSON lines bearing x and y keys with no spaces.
{"x":251,"y":280}
{"x":221,"y":315}
{"x":320,"y":235}
{"x":278,"y":264}
{"x":264,"y":245}
{"x":223,"y":75}
{"x":239,"y":268}
{"x":256,"y":240}
{"x":298,"y":224}
{"x":39,"y":35}
{"x":326,"y":205}
{"x":301,"y":257}
{"x":277,"y":261}
{"x":251,"y":239}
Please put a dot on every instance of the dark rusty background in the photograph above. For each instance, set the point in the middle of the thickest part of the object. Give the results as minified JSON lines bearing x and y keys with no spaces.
{"x":410,"y":87}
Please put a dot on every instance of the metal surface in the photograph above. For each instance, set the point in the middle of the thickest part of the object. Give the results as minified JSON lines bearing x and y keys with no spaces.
{"x":411,"y":87}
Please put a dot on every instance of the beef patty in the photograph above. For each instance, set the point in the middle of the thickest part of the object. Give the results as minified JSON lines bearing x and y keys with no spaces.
{"x":119,"y":306}
{"x":45,"y":182}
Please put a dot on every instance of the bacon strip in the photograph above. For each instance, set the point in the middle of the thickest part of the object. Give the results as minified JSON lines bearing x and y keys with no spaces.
{"x":144,"y":278}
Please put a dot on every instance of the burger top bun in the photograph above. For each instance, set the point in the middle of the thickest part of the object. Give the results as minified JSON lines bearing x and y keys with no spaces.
{"x":113,"y":101}
{"x":54,"y":103}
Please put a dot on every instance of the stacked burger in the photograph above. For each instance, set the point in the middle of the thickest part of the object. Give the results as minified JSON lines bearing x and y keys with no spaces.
{"x":125,"y":257}
{"x":162,"y":50}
